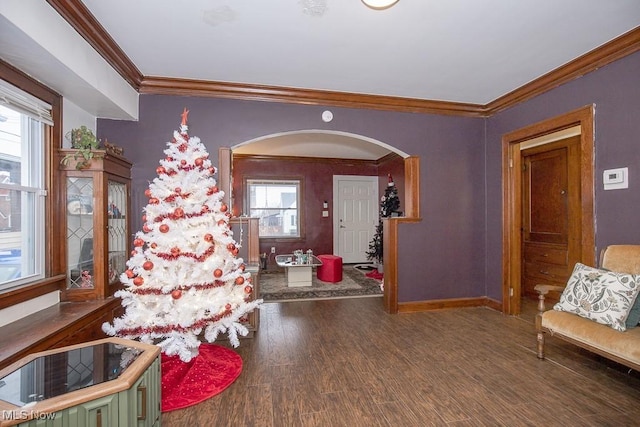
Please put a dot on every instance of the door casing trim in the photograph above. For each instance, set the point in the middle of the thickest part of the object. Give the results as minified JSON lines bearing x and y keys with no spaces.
{"x":512,"y":196}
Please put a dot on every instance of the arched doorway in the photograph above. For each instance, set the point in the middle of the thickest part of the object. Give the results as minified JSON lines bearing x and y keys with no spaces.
{"x":337,"y":145}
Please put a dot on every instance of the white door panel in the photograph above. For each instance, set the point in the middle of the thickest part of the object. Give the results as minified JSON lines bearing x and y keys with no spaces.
{"x":355,"y":215}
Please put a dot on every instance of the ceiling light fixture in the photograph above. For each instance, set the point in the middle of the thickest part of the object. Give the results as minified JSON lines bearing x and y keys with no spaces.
{"x":379,"y":4}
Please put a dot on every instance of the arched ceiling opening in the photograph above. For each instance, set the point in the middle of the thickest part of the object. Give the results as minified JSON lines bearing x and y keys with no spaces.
{"x":317,"y":143}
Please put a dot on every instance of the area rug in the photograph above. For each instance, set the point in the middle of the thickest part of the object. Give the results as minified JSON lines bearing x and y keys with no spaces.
{"x":273,"y":286}
{"x":185,"y":384}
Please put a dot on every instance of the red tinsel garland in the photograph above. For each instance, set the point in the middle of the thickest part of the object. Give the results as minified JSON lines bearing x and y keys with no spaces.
{"x":134,"y":332}
{"x":172,"y":198}
{"x":197,"y":286}
{"x":172,"y":257}
{"x":159,"y":218}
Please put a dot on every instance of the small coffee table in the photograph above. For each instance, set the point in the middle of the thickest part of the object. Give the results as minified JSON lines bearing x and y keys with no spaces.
{"x":298,"y":274}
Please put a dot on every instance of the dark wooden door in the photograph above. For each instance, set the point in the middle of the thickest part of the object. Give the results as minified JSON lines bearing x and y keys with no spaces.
{"x":551,"y":221}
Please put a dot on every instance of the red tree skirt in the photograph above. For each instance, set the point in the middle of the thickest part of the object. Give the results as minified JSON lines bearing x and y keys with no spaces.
{"x":184,"y":384}
{"x":375,"y":274}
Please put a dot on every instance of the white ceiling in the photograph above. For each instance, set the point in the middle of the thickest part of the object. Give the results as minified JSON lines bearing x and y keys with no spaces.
{"x":470,"y":51}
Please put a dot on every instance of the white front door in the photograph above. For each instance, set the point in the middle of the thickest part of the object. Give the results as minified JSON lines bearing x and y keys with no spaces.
{"x":355,"y":216}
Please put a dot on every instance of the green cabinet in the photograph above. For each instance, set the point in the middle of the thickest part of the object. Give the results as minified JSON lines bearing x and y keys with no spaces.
{"x":140,"y":405}
{"x":105,"y":383}
{"x":101,"y":412}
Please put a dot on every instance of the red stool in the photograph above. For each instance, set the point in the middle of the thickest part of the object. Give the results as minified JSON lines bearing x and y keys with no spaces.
{"x":331,"y":268}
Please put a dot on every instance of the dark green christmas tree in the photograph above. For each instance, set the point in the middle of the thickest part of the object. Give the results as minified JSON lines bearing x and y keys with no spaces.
{"x":389,"y":203}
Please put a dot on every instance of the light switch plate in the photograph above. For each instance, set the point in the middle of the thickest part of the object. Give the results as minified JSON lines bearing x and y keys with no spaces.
{"x":325,"y":214}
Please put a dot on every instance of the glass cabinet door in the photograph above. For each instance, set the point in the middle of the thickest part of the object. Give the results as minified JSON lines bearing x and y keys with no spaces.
{"x":98,"y":197}
{"x":117,"y":229}
{"x":80,"y":206}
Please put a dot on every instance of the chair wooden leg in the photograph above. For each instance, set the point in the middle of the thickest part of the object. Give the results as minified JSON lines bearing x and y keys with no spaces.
{"x":540,"y":339}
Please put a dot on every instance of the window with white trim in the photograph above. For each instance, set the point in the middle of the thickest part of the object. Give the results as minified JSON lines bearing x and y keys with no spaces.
{"x":276,"y":203}
{"x":23,"y":119}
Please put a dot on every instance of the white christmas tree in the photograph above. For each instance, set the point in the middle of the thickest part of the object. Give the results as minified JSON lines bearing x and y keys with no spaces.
{"x":184,"y":281}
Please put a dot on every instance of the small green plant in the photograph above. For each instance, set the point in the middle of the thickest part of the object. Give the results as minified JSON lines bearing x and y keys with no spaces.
{"x":85,"y":142}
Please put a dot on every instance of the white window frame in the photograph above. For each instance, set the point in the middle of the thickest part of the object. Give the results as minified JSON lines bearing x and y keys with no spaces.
{"x":34,"y":116}
{"x":251,"y":210}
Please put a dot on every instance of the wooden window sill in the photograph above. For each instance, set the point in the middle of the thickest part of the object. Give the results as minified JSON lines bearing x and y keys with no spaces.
{"x":64,"y":323}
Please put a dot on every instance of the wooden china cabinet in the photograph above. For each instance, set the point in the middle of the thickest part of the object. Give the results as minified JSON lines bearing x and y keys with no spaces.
{"x":97,"y":224}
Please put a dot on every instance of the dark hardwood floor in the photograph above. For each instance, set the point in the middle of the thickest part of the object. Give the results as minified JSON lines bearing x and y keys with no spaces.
{"x":347,"y":363}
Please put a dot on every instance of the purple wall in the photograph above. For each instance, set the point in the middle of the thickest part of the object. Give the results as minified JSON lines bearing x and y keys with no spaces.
{"x":456,"y":251}
{"x":451,"y":150}
{"x":615,"y":91}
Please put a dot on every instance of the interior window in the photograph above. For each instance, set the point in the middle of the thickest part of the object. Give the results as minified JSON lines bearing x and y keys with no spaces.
{"x":22,"y":191}
{"x":276,"y":203}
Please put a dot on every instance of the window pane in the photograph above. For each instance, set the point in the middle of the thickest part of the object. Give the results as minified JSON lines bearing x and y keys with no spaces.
{"x":21,"y":202}
{"x":276,"y":204}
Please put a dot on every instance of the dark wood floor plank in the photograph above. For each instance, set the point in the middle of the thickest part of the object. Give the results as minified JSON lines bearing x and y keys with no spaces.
{"x":347,"y":363}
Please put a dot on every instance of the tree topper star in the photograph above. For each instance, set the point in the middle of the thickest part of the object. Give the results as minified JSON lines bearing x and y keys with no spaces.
{"x":184,"y":114}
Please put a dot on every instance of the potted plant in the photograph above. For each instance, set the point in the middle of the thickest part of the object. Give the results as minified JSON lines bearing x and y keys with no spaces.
{"x":84,"y":142}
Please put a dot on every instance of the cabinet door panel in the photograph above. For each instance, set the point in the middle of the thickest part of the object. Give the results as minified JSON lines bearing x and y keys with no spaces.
{"x":140,"y":405}
{"x":101,"y":412}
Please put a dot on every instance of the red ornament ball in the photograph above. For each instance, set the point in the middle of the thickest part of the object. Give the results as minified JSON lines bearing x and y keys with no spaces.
{"x":239,"y":280}
{"x":138,"y":281}
{"x":235,"y":251}
{"x":175,"y":251}
{"x":231,"y":246}
{"x":154,"y":245}
{"x":129,"y":273}
{"x":147,"y":192}
{"x":179,"y":212}
{"x":146,"y":228}
{"x":217,"y":273}
{"x":199,"y":161}
{"x":164,"y":228}
{"x":178,"y":190}
{"x":227,"y":307}
{"x":160,"y":170}
{"x":183,"y":162}
{"x":154,"y":201}
{"x":208,"y":237}
{"x":223,"y":208}
{"x":147,"y":265}
{"x":138,"y":242}
{"x":176,"y":294}
{"x":242,"y":267}
{"x":248,"y":289}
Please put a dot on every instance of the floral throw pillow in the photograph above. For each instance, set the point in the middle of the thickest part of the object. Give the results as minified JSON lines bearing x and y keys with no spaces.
{"x":600,"y":295}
